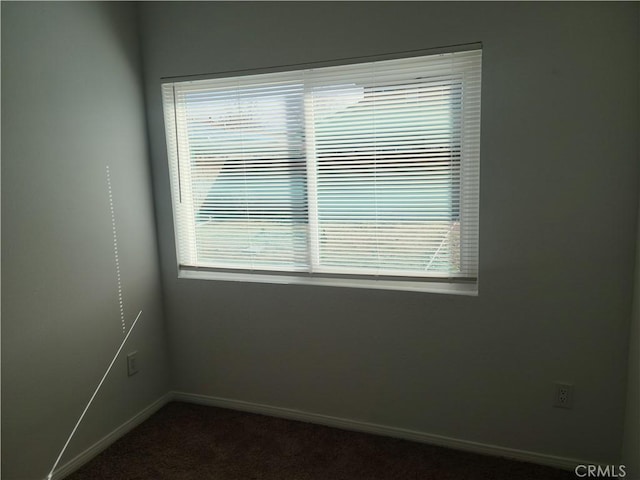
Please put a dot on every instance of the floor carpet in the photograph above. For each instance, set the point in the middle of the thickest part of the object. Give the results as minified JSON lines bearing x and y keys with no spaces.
{"x":192,"y":442}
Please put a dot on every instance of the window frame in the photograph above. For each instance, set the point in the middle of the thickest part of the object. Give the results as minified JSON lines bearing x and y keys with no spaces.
{"x":433,"y":283}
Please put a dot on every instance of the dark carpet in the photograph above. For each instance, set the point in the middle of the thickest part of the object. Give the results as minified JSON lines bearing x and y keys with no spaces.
{"x":192,"y":442}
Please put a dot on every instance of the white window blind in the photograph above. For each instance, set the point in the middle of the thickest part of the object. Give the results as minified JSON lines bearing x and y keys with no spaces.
{"x":369,"y":169}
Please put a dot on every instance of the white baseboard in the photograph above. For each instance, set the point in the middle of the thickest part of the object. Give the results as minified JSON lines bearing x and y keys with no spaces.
{"x":336,"y":422}
{"x":79,"y":460}
{"x":347,"y":424}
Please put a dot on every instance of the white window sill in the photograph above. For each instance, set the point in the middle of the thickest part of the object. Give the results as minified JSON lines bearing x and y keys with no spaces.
{"x":427,"y":286}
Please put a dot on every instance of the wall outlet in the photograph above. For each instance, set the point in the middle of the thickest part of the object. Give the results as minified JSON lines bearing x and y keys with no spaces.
{"x":563,"y":395}
{"x":132,"y":363}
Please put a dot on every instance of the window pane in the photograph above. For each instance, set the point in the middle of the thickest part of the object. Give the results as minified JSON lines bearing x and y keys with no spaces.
{"x":388,"y":178}
{"x":248,"y":177}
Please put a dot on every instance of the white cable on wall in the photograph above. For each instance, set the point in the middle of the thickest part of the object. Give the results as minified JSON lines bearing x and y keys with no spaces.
{"x":50,"y":475}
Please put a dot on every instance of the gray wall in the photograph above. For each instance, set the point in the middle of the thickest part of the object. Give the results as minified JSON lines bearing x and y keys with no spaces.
{"x":559,"y":190}
{"x":72,"y":103}
{"x":631,"y":445}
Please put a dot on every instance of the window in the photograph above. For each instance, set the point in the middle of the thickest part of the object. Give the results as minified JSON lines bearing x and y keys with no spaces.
{"x":366,"y":171}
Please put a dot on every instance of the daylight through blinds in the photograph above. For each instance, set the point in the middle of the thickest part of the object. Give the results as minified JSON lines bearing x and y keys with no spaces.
{"x":368,"y":169}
